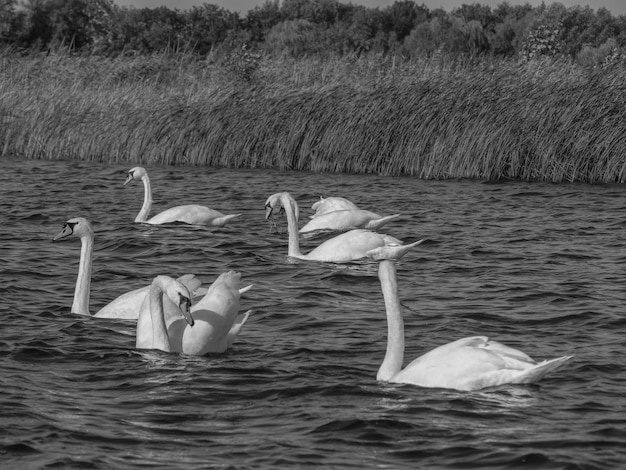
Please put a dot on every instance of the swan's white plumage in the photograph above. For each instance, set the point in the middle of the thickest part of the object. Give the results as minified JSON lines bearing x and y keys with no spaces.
{"x":466,"y":364}
{"x":337,"y":214}
{"x":331,"y":204}
{"x":216,"y":320}
{"x":349,"y":246}
{"x":341,"y":220}
{"x":189,"y":213}
{"x":124,"y":307}
{"x":152,"y":329}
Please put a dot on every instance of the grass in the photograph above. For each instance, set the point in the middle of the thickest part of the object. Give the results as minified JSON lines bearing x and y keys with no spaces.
{"x":545,"y":121}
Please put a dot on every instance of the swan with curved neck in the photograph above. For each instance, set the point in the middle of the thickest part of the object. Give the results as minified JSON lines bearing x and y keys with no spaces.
{"x":349,"y":246}
{"x":152,"y":331}
{"x":215,"y":318}
{"x":189,"y":214}
{"x":466,"y":364}
{"x":127,"y":305}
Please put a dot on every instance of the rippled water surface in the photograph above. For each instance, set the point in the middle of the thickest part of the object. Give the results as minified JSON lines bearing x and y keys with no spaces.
{"x":537,"y":266}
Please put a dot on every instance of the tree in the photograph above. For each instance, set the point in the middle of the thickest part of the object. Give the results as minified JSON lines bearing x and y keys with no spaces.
{"x":210,"y":25}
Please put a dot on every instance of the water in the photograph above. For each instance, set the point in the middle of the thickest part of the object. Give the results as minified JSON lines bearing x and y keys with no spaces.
{"x":537,"y":266}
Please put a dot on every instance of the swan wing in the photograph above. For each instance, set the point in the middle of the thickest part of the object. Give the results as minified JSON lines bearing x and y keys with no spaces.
{"x":474,"y":363}
{"x":214,"y":316}
{"x":192,"y":214}
{"x":330,"y":204}
{"x":339,"y":220}
{"x":348,"y":246}
{"x":128,"y":305}
{"x":377,"y":222}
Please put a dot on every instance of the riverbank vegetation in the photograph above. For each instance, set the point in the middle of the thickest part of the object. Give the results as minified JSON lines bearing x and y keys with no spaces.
{"x":274,"y":96}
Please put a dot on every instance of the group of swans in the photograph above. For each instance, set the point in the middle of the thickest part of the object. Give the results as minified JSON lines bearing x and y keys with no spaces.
{"x":178,"y":315}
{"x":213,"y":315}
{"x":349,"y":246}
{"x":207,"y":326}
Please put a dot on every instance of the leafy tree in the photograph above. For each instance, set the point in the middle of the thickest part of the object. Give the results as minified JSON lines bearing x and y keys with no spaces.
{"x":210,"y":25}
{"x":260,"y":20}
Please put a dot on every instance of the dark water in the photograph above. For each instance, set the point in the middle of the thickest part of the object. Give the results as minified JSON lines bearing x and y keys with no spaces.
{"x":537,"y":266}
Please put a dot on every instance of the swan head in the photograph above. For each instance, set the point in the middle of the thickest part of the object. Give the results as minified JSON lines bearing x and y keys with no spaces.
{"x":135,"y":173}
{"x":178,"y":293}
{"x":76,"y":226}
{"x":278,"y":201}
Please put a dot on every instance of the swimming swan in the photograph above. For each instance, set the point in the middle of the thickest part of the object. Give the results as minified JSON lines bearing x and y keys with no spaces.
{"x":190,"y":214}
{"x":127,"y":305}
{"x":339,"y":214}
{"x":348,"y":246}
{"x":158,"y":336}
{"x":215,"y":318}
{"x":466,"y":364}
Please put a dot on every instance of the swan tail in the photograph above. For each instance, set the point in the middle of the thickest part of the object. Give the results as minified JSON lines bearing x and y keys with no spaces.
{"x":219,"y":221}
{"x":538,"y":371}
{"x":243,"y":290}
{"x":377,"y":223}
{"x":237,"y":327}
{"x":391,"y":251}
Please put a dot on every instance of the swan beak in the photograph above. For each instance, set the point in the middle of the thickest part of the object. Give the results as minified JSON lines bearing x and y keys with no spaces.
{"x":268,"y":211}
{"x":185,"y":308}
{"x":65,"y":232}
{"x":129,"y":178}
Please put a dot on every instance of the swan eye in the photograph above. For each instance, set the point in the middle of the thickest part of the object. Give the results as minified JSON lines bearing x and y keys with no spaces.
{"x":70,"y":226}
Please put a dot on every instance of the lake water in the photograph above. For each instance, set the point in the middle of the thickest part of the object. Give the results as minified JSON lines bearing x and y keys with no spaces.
{"x":540,"y":267}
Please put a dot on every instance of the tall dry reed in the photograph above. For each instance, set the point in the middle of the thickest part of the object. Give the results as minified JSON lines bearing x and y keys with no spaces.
{"x":431,"y":119}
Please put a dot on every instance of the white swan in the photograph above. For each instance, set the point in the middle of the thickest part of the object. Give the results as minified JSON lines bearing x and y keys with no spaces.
{"x":348,"y":246}
{"x":215,"y":318}
{"x":466,"y":364}
{"x":152,"y":331}
{"x":338,"y":214}
{"x":127,"y":305}
{"x":190,"y":214}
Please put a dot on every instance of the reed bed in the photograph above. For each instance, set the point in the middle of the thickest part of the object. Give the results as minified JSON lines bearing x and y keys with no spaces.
{"x":545,"y":121}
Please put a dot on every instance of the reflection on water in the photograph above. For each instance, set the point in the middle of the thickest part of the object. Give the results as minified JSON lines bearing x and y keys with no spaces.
{"x":536,"y":266}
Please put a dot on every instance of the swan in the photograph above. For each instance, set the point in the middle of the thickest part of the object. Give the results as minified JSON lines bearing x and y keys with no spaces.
{"x":348,"y":246}
{"x":211,"y":327}
{"x":339,"y":214}
{"x":126,"y":306}
{"x":466,"y":364}
{"x":190,"y":214}
{"x":152,"y":331}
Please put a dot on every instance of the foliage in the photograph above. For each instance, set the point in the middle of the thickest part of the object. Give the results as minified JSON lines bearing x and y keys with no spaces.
{"x":311,"y":27}
{"x":524,"y":92}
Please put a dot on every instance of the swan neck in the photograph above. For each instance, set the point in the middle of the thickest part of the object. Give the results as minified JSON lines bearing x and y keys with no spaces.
{"x":160,"y":339}
{"x":292,"y":227}
{"x":394,"y":356}
{"x":83,"y":281}
{"x":147,"y":200}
